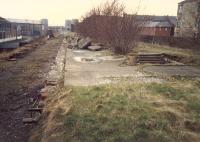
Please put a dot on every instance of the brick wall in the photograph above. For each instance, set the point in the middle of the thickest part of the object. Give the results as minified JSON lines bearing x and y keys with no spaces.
{"x":156,"y":31}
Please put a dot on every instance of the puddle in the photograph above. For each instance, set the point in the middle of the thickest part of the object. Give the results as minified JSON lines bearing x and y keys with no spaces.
{"x":87,"y":59}
{"x":79,"y":51}
{"x":112,"y":58}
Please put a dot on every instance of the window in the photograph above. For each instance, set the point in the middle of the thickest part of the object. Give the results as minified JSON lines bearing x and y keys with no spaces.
{"x":166,"y":29}
{"x":1,"y":35}
{"x":180,"y":9}
{"x":199,"y":7}
{"x":198,"y":23}
{"x":178,"y":24}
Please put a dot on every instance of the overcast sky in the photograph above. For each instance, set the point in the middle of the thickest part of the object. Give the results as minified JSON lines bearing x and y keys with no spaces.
{"x":59,"y":10}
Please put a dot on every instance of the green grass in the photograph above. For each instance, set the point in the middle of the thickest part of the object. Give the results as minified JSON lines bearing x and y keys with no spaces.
{"x":172,"y":92}
{"x":127,"y":113}
{"x":184,"y":90}
{"x":111,"y":114}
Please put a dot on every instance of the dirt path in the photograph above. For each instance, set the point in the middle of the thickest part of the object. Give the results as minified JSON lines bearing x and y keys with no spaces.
{"x":19,"y":81}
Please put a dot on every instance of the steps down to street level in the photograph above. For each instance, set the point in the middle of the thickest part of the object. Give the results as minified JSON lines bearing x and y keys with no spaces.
{"x":150,"y":58}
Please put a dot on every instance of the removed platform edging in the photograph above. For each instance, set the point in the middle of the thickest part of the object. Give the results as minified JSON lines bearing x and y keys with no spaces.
{"x":56,"y":75}
{"x":54,"y":80}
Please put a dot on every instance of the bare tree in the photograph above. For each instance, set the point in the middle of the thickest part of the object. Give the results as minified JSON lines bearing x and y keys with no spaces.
{"x":110,"y":24}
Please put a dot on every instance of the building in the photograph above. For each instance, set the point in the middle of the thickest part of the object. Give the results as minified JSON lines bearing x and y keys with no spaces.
{"x":152,"y":27}
{"x":56,"y":29}
{"x":71,"y":24}
{"x":8,"y":31}
{"x":188,"y":19}
{"x":68,"y":25}
{"x":74,"y":22}
{"x":45,"y":23}
{"x":12,"y":29}
{"x":27,"y":27}
{"x":158,"y":26}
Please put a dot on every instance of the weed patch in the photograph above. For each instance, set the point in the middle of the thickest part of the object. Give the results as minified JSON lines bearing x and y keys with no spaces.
{"x":126,"y":113}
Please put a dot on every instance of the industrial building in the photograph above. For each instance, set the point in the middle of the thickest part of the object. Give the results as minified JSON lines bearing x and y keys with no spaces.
{"x":8,"y":31}
{"x":71,"y":24}
{"x":56,"y":29}
{"x":27,"y":27}
{"x":188,"y":19}
{"x":12,"y":29}
{"x":45,"y":24}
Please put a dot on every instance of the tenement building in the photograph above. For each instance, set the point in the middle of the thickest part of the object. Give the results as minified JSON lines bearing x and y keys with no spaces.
{"x":188,"y":19}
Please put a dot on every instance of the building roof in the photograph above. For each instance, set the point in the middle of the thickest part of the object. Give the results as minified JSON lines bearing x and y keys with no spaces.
{"x":23,"y":21}
{"x":3,"y":20}
{"x":185,"y":1}
{"x":157,"y":21}
{"x":170,"y":19}
{"x":152,"y":24}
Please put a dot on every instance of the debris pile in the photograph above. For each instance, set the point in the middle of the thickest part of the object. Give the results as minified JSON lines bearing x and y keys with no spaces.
{"x":77,"y":42}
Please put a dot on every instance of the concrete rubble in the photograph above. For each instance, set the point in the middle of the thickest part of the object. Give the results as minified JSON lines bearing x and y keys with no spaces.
{"x":84,"y":43}
{"x":95,"y":48}
{"x":78,"y":42}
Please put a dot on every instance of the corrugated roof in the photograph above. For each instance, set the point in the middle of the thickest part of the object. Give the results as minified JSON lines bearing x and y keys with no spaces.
{"x":3,"y":20}
{"x":158,"y":24}
{"x":23,"y":21}
{"x":170,"y":19}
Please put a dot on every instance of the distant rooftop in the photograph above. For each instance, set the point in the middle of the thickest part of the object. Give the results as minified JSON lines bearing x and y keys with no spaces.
{"x":158,"y":21}
{"x":158,"y":24}
{"x":23,"y":21}
{"x":185,"y":1}
{"x":2,"y":20}
{"x":172,"y":19}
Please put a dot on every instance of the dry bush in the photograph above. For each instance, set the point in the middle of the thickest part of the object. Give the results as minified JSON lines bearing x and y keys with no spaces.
{"x":109,"y":24}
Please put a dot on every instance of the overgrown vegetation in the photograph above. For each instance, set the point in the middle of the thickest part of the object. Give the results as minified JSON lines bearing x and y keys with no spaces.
{"x":125,"y":113}
{"x":110,"y":25}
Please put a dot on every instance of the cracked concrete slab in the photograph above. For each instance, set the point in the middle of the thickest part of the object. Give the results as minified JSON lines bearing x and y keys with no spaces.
{"x":78,"y":73}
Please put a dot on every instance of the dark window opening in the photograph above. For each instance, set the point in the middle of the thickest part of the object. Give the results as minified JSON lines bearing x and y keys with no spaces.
{"x":199,"y":7}
{"x":180,"y":9}
{"x":178,"y":24}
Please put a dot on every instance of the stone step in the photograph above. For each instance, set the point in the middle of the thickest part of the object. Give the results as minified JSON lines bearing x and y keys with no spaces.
{"x":35,"y":110}
{"x":150,"y":58}
{"x":150,"y":54}
{"x":30,"y":120}
{"x":153,"y":62}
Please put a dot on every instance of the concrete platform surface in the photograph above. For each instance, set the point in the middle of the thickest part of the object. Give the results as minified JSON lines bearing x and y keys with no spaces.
{"x":190,"y":71}
{"x":86,"y":68}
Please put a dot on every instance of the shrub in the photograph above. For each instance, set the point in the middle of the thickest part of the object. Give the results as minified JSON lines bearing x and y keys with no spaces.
{"x":111,"y":25}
